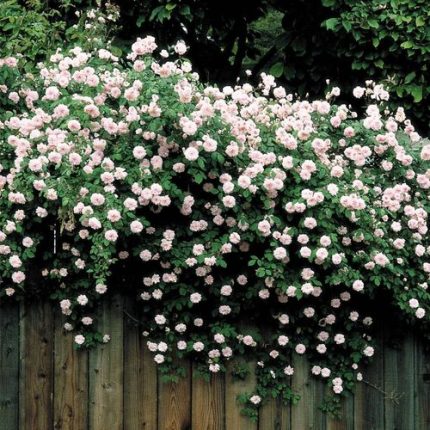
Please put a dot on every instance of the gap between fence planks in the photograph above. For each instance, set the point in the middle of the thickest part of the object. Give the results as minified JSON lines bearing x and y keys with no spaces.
{"x":46,"y":384}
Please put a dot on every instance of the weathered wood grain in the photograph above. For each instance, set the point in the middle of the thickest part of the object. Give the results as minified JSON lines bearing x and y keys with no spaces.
{"x":422,"y":387}
{"x":174,"y":403}
{"x":118,"y":387}
{"x":346,"y":420}
{"x":70,"y":381}
{"x":369,"y":402}
{"x":106,"y":371}
{"x":140,"y":377}
{"x":9,"y":366}
{"x":208,"y":406}
{"x":234,"y":420}
{"x":399,"y":379}
{"x":319,"y":391}
{"x":36,"y":386}
{"x":302,"y":415}
{"x":274,"y":416}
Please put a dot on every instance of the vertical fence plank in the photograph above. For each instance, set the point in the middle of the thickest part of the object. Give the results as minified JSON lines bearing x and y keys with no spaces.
{"x":399,"y":382}
{"x":150,"y":391}
{"x":369,"y":408}
{"x":174,"y":402}
{"x":9,"y":366}
{"x":274,"y":416}
{"x":106,"y":371}
{"x":422,"y":386}
{"x":346,"y":420}
{"x":302,"y":415}
{"x":307,"y":414}
{"x":208,"y":407}
{"x":140,"y":378}
{"x":319,"y":391}
{"x":70,"y":382}
{"x":36,"y":388}
{"x":234,"y":419}
{"x":268,"y":415}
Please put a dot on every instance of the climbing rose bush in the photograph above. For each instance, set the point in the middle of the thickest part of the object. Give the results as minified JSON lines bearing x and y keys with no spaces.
{"x":244,"y":222}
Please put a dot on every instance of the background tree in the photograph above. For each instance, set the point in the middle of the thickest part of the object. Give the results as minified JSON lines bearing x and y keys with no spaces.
{"x":349,"y":42}
{"x":301,"y":42}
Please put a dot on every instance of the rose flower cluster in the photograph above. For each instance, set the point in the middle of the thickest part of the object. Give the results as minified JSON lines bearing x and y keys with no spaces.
{"x":245,"y":222}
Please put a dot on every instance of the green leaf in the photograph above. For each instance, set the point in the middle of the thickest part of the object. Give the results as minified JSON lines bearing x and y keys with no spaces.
{"x":116,"y":51}
{"x":373,"y":23}
{"x":155,"y":12}
{"x":331,"y":23}
{"x":185,"y":10}
{"x":379,"y":63}
{"x":141,"y":19}
{"x":198,"y":179}
{"x":417,"y":93}
{"x":277,"y":70}
{"x":201,"y":163}
{"x":328,"y":3}
{"x":419,"y":21}
{"x":347,"y":25}
{"x":170,"y":6}
{"x":410,"y":77}
{"x":407,"y":45}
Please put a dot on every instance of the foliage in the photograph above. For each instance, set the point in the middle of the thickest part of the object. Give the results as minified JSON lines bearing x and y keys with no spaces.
{"x":245,"y":222}
{"x":302,"y":43}
{"x":344,"y":41}
{"x":349,"y":42}
{"x":265,"y":30}
{"x":33,"y":32}
{"x":219,"y":34}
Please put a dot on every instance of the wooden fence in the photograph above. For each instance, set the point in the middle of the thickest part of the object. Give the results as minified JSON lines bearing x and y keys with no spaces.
{"x":45,"y":384}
